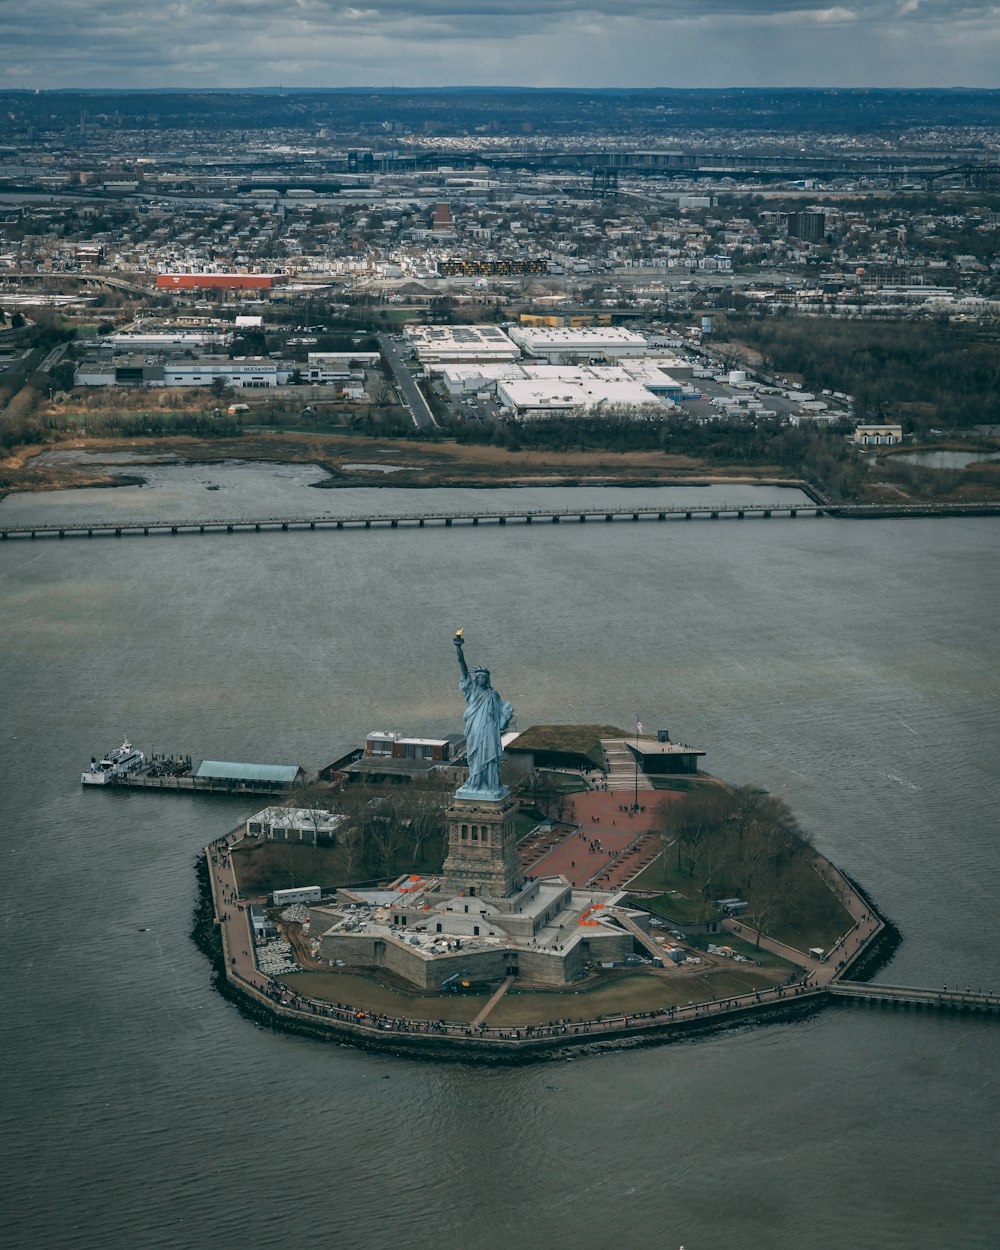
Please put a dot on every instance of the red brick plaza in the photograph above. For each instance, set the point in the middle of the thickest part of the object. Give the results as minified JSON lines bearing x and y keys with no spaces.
{"x":611,"y":844}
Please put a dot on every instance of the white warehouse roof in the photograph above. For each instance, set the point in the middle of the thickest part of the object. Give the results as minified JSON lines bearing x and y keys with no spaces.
{"x":437,"y":344}
{"x":544,"y":341}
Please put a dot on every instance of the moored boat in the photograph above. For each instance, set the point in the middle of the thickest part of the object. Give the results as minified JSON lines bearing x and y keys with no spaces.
{"x":117,"y":763}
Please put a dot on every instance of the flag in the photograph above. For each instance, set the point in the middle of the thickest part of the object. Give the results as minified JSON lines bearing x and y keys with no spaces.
{"x":638,"y":726}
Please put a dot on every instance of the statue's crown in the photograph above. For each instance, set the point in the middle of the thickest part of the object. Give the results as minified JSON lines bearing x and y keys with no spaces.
{"x":479,"y":669}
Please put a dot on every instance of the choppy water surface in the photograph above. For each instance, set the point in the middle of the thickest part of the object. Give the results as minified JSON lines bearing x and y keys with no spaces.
{"x":850,"y":666}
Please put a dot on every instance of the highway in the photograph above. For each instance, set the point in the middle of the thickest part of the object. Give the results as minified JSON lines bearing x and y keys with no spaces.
{"x":413,"y":397}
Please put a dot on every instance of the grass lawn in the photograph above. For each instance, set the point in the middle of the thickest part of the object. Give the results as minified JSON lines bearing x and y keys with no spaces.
{"x":816,"y":917}
{"x":742,"y":947}
{"x":663,"y":875}
{"x":265,"y":866}
{"x":524,"y":822}
{"x":576,"y":742}
{"x":626,"y":994}
{"x":368,"y":994}
{"x":679,"y":907}
{"x":810,"y":915}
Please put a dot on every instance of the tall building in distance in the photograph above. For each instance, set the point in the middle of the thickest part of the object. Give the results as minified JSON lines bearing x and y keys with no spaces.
{"x":442,"y":223}
{"x":809,"y":227}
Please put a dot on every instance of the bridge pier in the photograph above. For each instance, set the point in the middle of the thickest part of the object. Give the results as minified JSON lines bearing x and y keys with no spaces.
{"x":312,"y":525}
{"x":635,"y":516}
{"x":62,"y":533}
{"x":502,"y":520}
{"x":687,"y":516}
{"x":421,"y":522}
{"x":793,"y":512}
{"x":475,"y":521}
{"x":715,"y":516}
{"x":368,"y":525}
{"x":583,"y":518}
{"x":118,"y":531}
{"x":229,"y":529}
{"x":257,"y":527}
{"x":394,"y":524}
{"x":608,"y":517}
{"x":527,"y":519}
{"x":661,"y":516}
{"x":767,"y":513}
{"x":555,"y":520}
{"x":447,"y":520}
{"x":741,"y":514}
{"x":173,"y":529}
{"x":284,"y":525}
{"x":340,"y":524}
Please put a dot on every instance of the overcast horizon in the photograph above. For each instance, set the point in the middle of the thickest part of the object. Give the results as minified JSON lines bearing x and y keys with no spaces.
{"x":186,"y":45}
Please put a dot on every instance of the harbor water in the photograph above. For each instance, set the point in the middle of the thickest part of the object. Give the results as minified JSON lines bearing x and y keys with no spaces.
{"x":851,"y":667}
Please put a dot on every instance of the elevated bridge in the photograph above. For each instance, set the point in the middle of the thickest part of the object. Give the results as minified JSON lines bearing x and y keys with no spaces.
{"x":967,"y":1000}
{"x":119,"y":528}
{"x":645,"y":163}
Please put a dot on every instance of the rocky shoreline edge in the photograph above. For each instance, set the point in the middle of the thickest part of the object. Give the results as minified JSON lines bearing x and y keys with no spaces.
{"x":572,"y":1040}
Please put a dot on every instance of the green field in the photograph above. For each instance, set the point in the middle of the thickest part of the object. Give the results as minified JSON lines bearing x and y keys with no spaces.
{"x":615,"y":995}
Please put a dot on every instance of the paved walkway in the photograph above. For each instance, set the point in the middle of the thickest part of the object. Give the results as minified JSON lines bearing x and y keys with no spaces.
{"x":837,"y":960}
{"x":493,"y":1002}
{"x":231,"y":912}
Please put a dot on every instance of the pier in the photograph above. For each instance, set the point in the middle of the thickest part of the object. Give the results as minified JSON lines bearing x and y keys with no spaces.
{"x":200,"y":785}
{"x":173,"y":774}
{"x":967,"y":1000}
{"x":117,"y":528}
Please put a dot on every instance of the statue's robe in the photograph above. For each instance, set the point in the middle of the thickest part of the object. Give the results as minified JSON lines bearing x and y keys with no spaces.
{"x":486,"y":717}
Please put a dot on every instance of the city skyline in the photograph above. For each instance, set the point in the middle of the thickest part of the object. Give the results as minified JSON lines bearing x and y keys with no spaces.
{"x":186,"y":44}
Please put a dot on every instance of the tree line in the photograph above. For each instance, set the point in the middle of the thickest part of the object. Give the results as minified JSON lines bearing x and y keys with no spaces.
{"x":929,"y":373}
{"x":385,"y":830}
{"x":741,"y":843}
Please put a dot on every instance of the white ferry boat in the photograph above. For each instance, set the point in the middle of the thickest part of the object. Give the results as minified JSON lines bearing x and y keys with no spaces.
{"x":117,"y":763}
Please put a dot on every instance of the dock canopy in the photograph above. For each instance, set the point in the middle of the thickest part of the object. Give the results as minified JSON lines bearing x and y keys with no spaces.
{"x":275,"y":774}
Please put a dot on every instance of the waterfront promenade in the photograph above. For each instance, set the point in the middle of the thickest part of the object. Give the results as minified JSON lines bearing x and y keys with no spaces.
{"x":819,"y":981}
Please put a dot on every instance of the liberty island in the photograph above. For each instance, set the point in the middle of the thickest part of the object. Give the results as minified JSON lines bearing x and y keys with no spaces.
{"x":529,"y":930}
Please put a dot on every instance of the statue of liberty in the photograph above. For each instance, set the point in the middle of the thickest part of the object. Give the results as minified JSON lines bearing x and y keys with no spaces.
{"x":486,"y":717}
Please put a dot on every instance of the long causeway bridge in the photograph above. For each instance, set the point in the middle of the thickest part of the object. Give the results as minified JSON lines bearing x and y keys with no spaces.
{"x":118,"y":527}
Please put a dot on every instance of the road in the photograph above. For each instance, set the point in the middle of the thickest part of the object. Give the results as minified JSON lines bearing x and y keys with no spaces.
{"x":422,"y":416}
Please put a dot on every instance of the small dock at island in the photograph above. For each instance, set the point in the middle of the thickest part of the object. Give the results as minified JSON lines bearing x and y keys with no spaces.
{"x":174,"y":774}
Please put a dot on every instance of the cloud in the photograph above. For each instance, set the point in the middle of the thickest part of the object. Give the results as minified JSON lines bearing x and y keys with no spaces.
{"x":135,"y":43}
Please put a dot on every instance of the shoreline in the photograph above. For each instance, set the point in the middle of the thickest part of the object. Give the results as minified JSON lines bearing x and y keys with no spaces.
{"x":267,"y":1005}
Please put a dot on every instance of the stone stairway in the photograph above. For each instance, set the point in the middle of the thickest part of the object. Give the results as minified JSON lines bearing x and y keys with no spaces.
{"x":621,"y":766}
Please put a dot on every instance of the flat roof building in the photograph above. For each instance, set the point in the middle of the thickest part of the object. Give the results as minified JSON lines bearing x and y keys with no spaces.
{"x":461,"y":344}
{"x":565,"y":344}
{"x":548,"y":390}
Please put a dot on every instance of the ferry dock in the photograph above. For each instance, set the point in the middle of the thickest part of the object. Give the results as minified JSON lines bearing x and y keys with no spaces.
{"x":174,"y":774}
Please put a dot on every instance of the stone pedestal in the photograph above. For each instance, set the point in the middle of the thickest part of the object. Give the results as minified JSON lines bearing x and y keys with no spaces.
{"x":482,"y":848}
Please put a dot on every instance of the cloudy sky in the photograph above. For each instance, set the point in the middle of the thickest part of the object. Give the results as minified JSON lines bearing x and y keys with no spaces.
{"x":426,"y":43}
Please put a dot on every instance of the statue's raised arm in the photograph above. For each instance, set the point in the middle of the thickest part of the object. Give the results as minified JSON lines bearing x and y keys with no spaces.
{"x":486,"y":717}
{"x":463,"y":668}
